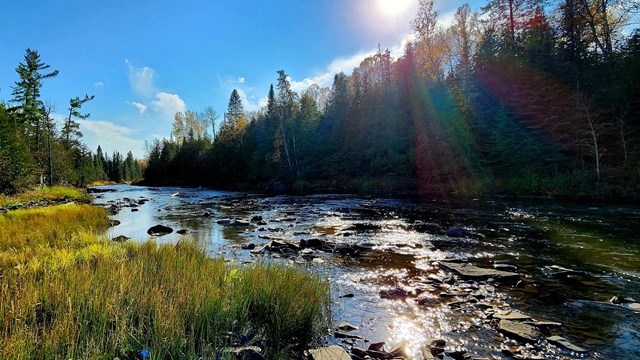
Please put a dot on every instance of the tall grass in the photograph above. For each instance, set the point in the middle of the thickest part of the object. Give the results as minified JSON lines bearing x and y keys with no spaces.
{"x":45,"y":193}
{"x":68,"y":293}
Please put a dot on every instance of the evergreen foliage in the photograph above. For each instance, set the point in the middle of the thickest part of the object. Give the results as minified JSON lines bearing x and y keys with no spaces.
{"x":531,"y":90}
{"x":33,"y":150}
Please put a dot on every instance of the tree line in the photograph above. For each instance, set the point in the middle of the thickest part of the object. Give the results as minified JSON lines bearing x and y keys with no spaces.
{"x":525,"y":95}
{"x":36,"y":148}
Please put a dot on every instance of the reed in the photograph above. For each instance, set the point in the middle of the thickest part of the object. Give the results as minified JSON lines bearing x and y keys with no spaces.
{"x":68,"y":292}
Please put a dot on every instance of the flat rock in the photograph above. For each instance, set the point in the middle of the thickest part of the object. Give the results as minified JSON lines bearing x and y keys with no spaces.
{"x":347,"y":327}
{"x":519,"y":330}
{"x":511,"y":315}
{"x":344,"y":335}
{"x":477,"y":273}
{"x":333,"y":352}
{"x":159,"y":230}
{"x":559,"y":340}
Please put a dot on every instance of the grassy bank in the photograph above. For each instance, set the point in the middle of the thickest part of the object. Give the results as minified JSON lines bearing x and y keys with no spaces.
{"x":67,"y":292}
{"x":54,"y":193}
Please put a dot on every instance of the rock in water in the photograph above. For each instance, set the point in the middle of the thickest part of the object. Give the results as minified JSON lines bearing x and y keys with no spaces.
{"x":183,"y":231}
{"x":334,"y":352}
{"x":120,"y":238}
{"x":347,"y":327}
{"x":558,"y":340}
{"x":477,"y":273}
{"x":521,"y":331}
{"x":457,"y":232}
{"x":159,"y":230}
{"x":511,"y":315}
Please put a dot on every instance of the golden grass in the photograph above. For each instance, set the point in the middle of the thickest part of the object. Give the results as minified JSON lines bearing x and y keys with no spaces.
{"x":53,"y":193}
{"x":67,"y":292}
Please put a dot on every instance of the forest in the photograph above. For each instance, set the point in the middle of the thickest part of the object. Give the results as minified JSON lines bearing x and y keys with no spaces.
{"x":37,"y":148}
{"x":524,"y":96}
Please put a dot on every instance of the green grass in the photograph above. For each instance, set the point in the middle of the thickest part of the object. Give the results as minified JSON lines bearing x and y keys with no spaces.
{"x":67,"y":292}
{"x":54,"y":193}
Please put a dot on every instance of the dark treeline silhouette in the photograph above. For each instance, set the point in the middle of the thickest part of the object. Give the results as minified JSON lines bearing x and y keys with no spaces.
{"x":527,"y":97}
{"x":35,"y":149}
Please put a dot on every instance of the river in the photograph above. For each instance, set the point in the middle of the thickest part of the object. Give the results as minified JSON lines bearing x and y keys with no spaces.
{"x":386,"y":256}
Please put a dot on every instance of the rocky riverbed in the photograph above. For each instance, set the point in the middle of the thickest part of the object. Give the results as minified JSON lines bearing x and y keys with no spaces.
{"x":426,"y":278}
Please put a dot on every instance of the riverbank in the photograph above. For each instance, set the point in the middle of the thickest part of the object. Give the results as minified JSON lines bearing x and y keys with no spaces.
{"x":69,"y":292}
{"x":579,"y":187}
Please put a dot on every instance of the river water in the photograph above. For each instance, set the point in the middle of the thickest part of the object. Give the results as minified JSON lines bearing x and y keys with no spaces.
{"x":387,"y":281}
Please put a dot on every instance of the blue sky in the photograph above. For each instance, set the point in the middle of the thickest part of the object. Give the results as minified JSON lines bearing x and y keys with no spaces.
{"x":144,"y":60}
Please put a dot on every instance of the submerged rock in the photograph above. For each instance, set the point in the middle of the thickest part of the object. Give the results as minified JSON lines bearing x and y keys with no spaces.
{"x":458,"y":232}
{"x":558,"y":340}
{"x":159,"y":230}
{"x":471,"y":272}
{"x":333,"y":352}
{"x":393,"y":294}
{"x":522,"y":331}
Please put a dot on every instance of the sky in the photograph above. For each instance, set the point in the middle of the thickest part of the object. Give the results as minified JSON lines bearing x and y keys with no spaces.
{"x":146,"y":59}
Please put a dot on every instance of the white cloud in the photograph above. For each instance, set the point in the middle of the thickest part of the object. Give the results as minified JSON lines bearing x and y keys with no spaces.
{"x":98,"y":84}
{"x":247,"y":103}
{"x":241,"y":80}
{"x":111,"y":137}
{"x":141,"y":80}
{"x":168,"y":104}
{"x":141,"y":107}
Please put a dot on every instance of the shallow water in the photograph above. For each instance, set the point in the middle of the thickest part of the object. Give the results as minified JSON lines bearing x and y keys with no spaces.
{"x":399,"y":242}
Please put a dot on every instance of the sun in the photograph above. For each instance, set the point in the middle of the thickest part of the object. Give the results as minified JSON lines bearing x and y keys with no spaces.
{"x":394,"y":7}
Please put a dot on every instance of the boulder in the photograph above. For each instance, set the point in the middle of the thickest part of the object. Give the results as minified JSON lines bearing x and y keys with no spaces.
{"x":224,"y":222}
{"x":559,"y":340}
{"x":333,"y":352}
{"x":159,"y":230}
{"x":521,"y":331}
{"x":257,"y":218}
{"x":249,"y":246}
{"x":471,"y":272}
{"x":313,"y":243}
{"x":183,"y":231}
{"x":113,"y":223}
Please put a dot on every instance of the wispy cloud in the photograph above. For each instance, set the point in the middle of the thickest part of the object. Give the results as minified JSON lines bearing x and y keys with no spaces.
{"x":346,"y":65}
{"x":98,"y":84}
{"x":111,"y":137}
{"x":141,"y":80}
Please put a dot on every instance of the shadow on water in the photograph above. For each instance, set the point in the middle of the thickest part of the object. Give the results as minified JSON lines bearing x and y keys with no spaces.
{"x":383,"y":263}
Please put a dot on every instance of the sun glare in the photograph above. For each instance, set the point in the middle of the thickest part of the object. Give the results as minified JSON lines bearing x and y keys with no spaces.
{"x":394,"y":7}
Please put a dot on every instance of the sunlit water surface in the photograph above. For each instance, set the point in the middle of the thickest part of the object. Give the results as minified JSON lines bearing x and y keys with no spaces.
{"x":400,"y":242}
